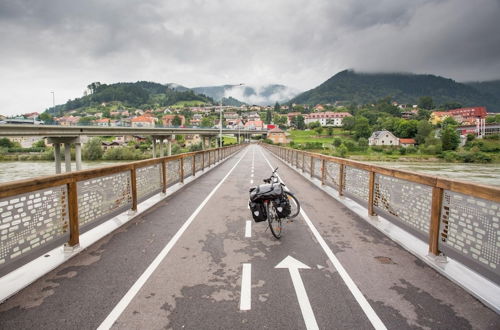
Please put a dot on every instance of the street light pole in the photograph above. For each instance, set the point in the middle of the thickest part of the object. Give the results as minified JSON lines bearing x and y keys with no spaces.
{"x":220,"y":125}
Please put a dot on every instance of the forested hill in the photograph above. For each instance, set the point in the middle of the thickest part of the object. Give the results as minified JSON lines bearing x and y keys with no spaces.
{"x":362,"y":88}
{"x":491,"y":87}
{"x":142,"y":94}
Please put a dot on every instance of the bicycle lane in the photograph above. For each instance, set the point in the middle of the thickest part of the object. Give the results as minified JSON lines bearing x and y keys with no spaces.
{"x":199,"y":283}
{"x":402,"y":290}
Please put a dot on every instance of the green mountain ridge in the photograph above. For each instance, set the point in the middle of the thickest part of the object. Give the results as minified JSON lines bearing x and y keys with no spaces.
{"x":405,"y":88}
{"x":141,"y":94}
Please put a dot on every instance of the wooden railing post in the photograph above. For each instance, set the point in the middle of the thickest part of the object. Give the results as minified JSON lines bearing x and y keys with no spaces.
{"x":133,"y":183}
{"x":164,"y":176}
{"x":437,"y":201}
{"x":303,"y":160}
{"x":194,"y":164}
{"x":371,"y":193}
{"x":203,"y":160}
{"x":323,"y":171}
{"x":181,"y":169}
{"x":74,"y":229}
{"x":341,"y":180}
{"x":312,"y":166}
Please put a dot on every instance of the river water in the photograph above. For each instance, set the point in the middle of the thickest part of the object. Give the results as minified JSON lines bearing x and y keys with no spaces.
{"x":479,"y":173}
{"x":488,"y":174}
{"x":10,"y":171}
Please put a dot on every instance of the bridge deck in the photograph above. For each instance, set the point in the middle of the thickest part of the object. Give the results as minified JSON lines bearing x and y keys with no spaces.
{"x":198,"y":283}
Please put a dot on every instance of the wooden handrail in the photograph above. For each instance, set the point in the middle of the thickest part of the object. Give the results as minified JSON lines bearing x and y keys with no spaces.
{"x":490,"y":193}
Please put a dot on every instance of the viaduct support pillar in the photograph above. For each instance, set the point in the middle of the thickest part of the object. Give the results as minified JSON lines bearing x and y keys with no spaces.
{"x":67,"y":141}
{"x":154,"y":146}
{"x":57,"y":157}
{"x":162,"y":152}
{"x":78,"y":155}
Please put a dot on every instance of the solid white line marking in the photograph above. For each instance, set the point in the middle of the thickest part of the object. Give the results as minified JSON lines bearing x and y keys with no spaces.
{"x":127,"y":298}
{"x":248,"y":228}
{"x":246,"y":288}
{"x":293,"y":266}
{"x":365,"y":305}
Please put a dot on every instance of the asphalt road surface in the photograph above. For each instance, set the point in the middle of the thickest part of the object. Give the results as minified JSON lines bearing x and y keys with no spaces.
{"x":193,"y":262}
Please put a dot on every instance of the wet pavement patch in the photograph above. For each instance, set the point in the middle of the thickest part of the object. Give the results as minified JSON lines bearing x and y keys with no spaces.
{"x":384,"y":260}
{"x":431,"y":313}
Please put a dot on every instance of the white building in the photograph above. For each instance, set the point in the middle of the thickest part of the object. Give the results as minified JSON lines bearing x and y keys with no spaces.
{"x":326,"y":118}
{"x":383,"y":138}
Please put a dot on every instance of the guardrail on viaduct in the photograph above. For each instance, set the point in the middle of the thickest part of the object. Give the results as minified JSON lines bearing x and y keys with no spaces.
{"x":37,"y":215}
{"x":458,"y":219}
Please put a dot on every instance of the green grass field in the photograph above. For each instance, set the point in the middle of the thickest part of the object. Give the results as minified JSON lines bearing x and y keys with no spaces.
{"x":298,"y":136}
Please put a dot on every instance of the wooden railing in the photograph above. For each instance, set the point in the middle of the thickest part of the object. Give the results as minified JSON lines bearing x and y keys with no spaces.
{"x":39,"y":214}
{"x":456,"y":218}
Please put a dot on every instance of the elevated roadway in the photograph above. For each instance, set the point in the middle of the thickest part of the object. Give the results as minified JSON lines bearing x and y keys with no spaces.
{"x":65,"y":131}
{"x":194,"y":262}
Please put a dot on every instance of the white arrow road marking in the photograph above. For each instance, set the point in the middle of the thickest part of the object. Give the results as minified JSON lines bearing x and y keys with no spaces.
{"x":246,"y":288}
{"x":248,"y":229}
{"x":293,"y":266}
{"x":365,"y":305}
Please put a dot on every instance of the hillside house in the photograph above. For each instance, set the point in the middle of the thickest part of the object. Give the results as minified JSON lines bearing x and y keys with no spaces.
{"x":143,"y":121}
{"x":383,"y":138}
{"x":68,"y":120}
{"x":277,"y":136}
{"x":407,"y":142}
{"x":104,"y":122}
{"x":326,"y":118}
{"x":254,"y":124}
{"x":168,"y":119}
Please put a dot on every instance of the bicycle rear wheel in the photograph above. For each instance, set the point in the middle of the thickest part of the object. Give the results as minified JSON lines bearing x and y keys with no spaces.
{"x":275,"y":223}
{"x":294,"y":205}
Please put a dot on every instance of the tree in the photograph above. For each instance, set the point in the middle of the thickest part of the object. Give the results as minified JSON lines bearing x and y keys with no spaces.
{"x":450,"y":138}
{"x":451,"y":105}
{"x":319,"y":130}
{"x":426,"y":102}
{"x":298,"y":122}
{"x":424,"y":128}
{"x":329,"y":131}
{"x":348,"y":123}
{"x":277,"y":107}
{"x":39,"y":144}
{"x":6,"y":143}
{"x":176,"y":121}
{"x":313,"y":125}
{"x":46,"y":117}
{"x":337,"y":142}
{"x":361,"y":127}
{"x":207,"y":122}
{"x":449,"y":121}
{"x":269,"y":117}
{"x":92,"y":150}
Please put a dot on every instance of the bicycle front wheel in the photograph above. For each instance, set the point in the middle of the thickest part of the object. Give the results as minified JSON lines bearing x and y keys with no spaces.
{"x":274,"y":221}
{"x":294,"y":205}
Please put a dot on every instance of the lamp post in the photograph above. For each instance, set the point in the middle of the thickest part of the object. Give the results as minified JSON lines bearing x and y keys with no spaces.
{"x":220,"y":125}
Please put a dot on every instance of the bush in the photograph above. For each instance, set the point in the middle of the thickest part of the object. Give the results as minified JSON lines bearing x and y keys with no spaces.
{"x":313,"y":145}
{"x":123,"y":153}
{"x":411,"y":150}
{"x":337,"y":142}
{"x":342,"y":151}
{"x":92,"y":150}
{"x":377,"y":148}
{"x":195,"y":147}
{"x":350,"y":145}
{"x":402,"y":151}
{"x":450,"y":156}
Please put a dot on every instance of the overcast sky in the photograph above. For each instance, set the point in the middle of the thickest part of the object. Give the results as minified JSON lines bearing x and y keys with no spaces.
{"x":62,"y":46}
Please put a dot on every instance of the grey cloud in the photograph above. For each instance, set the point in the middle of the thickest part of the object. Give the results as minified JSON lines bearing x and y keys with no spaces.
{"x":63,"y":45}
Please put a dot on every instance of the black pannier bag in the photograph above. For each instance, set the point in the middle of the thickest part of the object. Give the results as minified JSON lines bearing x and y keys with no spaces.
{"x":265,"y":192}
{"x":283,"y":207}
{"x":258,"y":211}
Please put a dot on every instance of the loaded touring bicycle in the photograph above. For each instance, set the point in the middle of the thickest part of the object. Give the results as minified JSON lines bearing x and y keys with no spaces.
{"x":270,"y":201}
